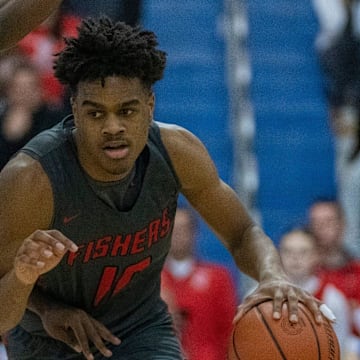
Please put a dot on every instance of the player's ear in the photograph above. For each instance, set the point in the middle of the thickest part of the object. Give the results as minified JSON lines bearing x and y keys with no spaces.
{"x":151,"y":104}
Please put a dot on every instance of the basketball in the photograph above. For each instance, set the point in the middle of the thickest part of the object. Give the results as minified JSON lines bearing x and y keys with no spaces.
{"x":257,"y":336}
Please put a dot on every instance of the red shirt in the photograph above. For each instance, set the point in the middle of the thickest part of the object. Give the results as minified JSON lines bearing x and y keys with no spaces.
{"x":346,"y":279}
{"x":207,"y":301}
{"x":40,"y":46}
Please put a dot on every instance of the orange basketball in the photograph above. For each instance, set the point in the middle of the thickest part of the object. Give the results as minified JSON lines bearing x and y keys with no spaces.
{"x":257,"y":336}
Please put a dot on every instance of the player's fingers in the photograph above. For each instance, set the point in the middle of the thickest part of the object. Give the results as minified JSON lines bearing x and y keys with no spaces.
{"x":68,"y":338}
{"x":83,"y":341}
{"x":292,"y":305}
{"x":35,"y":249}
{"x":29,"y":262}
{"x":106,"y":334}
{"x":94,"y":336}
{"x":326,"y":311}
{"x":313,"y":305}
{"x":60,"y":237}
{"x":54,"y":239}
{"x":249,"y":302}
{"x":239,"y":314}
{"x":278,"y":303}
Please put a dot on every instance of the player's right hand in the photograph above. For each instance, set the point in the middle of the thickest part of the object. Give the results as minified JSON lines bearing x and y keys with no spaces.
{"x":39,"y":253}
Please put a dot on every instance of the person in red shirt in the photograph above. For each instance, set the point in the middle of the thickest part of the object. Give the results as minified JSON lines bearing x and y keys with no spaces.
{"x":201,"y":296}
{"x":40,"y":46}
{"x":300,"y":257}
{"x":337,"y":266}
{"x":327,"y":223}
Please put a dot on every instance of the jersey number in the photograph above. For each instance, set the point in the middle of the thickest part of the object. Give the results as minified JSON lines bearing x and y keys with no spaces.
{"x":111,"y":283}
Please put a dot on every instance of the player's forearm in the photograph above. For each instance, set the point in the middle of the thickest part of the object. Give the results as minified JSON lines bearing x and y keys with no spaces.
{"x":262,"y":261}
{"x":19,"y":17}
{"x":13,"y":299}
{"x":39,"y":302}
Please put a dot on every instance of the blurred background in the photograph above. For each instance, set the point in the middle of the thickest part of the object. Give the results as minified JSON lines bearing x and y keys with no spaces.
{"x":244,"y":77}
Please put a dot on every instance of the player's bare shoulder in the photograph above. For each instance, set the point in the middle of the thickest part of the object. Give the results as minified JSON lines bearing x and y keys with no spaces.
{"x":22,"y":171}
{"x":189,"y":156}
{"x":24,"y":186}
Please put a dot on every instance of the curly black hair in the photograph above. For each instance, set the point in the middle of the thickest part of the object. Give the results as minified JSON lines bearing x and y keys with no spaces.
{"x":104,"y":48}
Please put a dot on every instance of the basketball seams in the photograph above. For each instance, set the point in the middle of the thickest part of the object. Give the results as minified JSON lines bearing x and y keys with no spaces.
{"x":313,"y":328}
{"x":263,"y":319}
{"x":234,"y":345}
{"x":279,"y":339}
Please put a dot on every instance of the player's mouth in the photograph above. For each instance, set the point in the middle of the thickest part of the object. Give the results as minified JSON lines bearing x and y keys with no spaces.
{"x":116,"y":150}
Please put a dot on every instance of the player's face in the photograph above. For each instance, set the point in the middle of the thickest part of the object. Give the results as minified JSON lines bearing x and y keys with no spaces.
{"x":112,"y":125}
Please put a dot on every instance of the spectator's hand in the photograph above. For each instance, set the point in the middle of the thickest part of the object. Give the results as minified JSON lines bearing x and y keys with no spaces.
{"x":39,"y":253}
{"x":76,"y":328}
{"x":280,"y":291}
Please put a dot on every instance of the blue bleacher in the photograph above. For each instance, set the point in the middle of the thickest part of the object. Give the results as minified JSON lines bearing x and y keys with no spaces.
{"x":193,"y":93}
{"x":294,"y":145}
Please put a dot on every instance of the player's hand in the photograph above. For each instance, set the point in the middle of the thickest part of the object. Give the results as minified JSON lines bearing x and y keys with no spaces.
{"x":76,"y":328}
{"x":281,"y":291}
{"x":39,"y":253}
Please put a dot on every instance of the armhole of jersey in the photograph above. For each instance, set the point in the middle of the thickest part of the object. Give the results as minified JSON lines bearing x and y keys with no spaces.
{"x":155,"y":137}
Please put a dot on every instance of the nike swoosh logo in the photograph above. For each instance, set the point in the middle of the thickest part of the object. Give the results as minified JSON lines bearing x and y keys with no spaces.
{"x":68,"y":219}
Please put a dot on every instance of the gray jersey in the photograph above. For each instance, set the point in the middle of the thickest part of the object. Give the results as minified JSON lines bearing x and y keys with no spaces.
{"x":115,"y":274}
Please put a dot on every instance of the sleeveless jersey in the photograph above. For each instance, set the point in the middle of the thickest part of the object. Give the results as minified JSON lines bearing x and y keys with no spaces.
{"x":115,"y":274}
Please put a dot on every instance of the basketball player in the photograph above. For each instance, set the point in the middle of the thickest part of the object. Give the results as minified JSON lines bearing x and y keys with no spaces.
{"x":19,"y":17}
{"x":87,"y":211}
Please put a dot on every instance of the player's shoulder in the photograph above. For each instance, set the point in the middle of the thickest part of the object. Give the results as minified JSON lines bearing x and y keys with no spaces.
{"x":182,"y":145}
{"x":176,"y":136}
{"x":23,"y":174}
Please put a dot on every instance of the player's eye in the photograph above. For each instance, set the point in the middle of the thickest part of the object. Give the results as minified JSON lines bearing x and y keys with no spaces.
{"x":126,"y":112}
{"x":95,"y":114}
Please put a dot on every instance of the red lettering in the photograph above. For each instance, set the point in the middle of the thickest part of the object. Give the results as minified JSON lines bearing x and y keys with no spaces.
{"x":129,"y":273}
{"x":121,"y":244}
{"x":72,"y":256}
{"x":139,"y":239}
{"x":88,"y":252}
{"x":165,"y":223}
{"x":106,"y":282}
{"x":153,"y":235}
{"x":102,"y":247}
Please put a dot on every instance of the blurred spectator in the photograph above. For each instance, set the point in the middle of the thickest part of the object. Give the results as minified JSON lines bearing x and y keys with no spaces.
{"x":25,"y":113}
{"x":300,"y":257}
{"x":7,"y":65}
{"x":128,"y":11}
{"x":338,"y":46}
{"x":42,"y":43}
{"x":3,"y":354}
{"x":338,"y":49}
{"x":337,"y":265}
{"x":203,"y":295}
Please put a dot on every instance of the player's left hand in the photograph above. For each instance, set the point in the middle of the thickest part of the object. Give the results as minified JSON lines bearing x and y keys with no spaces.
{"x":280,"y":291}
{"x":77,"y":329}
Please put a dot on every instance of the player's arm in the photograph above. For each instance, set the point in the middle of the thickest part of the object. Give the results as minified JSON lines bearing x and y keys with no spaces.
{"x":220,"y":207}
{"x":26,"y":250}
{"x":19,"y":17}
{"x":253,"y":251}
